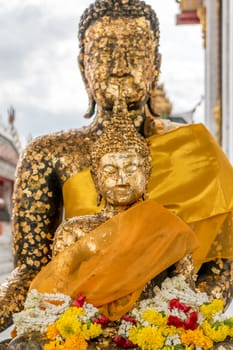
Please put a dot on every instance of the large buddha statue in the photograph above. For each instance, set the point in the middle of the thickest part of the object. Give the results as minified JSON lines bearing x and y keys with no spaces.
{"x":191,"y":177}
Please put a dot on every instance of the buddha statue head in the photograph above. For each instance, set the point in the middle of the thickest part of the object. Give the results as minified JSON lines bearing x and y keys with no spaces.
{"x":119,"y":42}
{"x":120,"y":161}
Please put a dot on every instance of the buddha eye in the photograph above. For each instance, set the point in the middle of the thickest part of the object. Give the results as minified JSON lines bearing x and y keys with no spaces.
{"x":109,"y":169}
{"x":131,"y":168}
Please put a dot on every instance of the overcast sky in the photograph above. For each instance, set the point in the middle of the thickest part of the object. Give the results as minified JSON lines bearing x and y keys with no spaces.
{"x":38,"y":63}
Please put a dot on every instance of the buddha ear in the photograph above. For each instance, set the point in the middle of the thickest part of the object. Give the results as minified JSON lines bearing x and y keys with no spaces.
{"x":150,"y":101}
{"x":91,"y":106}
{"x":153,"y":86}
{"x":99,"y":199}
{"x":91,"y":101}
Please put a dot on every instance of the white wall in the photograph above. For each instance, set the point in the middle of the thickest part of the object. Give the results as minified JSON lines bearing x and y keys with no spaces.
{"x":211,"y":64}
{"x":227,"y":78}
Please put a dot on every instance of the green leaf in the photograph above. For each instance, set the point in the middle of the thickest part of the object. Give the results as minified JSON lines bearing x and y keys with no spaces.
{"x":216,"y":325}
{"x":88,"y":323}
{"x":179,"y":347}
{"x":228,"y":322}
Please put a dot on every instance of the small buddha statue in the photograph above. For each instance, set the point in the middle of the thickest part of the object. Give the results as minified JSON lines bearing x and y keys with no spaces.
{"x":120,"y":168}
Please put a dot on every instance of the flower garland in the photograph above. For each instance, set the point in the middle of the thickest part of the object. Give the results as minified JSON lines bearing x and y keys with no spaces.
{"x":170,"y":323}
{"x":177,"y":318}
{"x":41,"y":309}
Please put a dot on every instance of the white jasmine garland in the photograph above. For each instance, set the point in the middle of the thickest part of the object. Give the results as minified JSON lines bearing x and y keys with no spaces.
{"x":33,"y":321}
{"x":90,"y":312}
{"x":219,"y":317}
{"x":176,"y":287}
{"x":124,"y":328}
{"x":172,"y":340}
{"x":181,"y":314}
{"x":40,"y":311}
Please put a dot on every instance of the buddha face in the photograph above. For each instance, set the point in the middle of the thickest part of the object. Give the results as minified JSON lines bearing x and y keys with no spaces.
{"x":119,"y":56}
{"x":122,"y":178}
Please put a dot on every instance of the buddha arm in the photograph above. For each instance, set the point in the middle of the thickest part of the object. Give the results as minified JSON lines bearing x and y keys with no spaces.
{"x":65,"y":235}
{"x":74,"y":229}
{"x":36,"y":212}
{"x":37,"y":207}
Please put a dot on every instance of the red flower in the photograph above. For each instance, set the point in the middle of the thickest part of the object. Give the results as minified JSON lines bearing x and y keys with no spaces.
{"x":129,"y":319}
{"x":123,"y":343}
{"x":101,"y":319}
{"x":191,"y":322}
{"x":175,"y":321}
{"x":79,"y":301}
{"x":175,"y":303}
{"x":128,"y":344}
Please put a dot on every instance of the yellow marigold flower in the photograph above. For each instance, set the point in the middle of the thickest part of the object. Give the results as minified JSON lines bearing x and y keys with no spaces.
{"x":154,"y":317}
{"x":74,"y":311}
{"x":196,"y":337}
{"x":75,"y":342}
{"x":218,"y":333}
{"x":171,"y":330}
{"x":52,"y":331}
{"x":208,"y":310}
{"x":54,"y":345}
{"x":68,"y":325}
{"x":147,"y":338}
{"x":133,"y":333}
{"x":91,"y":331}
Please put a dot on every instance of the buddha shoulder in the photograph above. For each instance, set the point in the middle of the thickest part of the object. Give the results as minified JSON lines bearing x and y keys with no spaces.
{"x":60,"y":141}
{"x":64,"y":153}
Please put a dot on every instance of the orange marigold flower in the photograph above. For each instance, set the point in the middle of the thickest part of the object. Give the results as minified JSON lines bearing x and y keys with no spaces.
{"x":75,"y":342}
{"x":52,"y":331}
{"x":54,"y":345}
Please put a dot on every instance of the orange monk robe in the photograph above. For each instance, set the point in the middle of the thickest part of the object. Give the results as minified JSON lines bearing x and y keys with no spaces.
{"x":112,"y":264}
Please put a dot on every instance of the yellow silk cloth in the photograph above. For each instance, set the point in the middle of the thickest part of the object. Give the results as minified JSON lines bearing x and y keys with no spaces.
{"x":191,"y":177}
{"x":112,"y":264}
{"x":216,"y":238}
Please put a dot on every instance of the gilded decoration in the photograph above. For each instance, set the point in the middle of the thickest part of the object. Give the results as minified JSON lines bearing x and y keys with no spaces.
{"x":122,"y":65}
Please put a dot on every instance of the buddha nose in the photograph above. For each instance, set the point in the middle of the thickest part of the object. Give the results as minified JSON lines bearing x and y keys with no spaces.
{"x":121,"y":179}
{"x":120,"y":62}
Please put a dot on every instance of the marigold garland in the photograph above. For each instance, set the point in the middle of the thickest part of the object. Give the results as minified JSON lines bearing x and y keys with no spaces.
{"x":177,"y":318}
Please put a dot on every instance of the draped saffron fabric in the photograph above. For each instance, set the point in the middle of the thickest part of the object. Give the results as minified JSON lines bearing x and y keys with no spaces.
{"x":191,"y":177}
{"x":112,"y":264}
